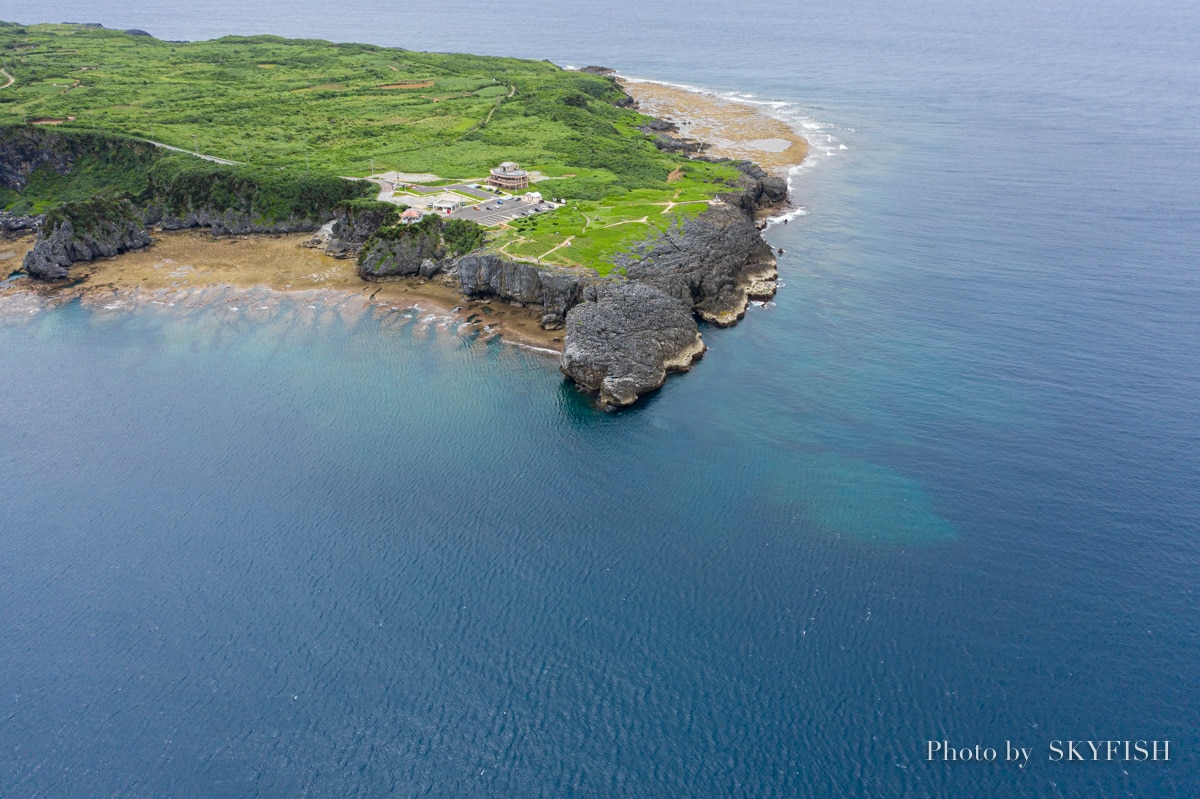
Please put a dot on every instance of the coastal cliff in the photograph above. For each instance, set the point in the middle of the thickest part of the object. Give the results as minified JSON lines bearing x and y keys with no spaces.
{"x":555,"y":290}
{"x":68,"y":172}
{"x":624,"y":333}
{"x":709,"y":264}
{"x":626,"y":274}
{"x":625,"y":337}
{"x":228,"y":221}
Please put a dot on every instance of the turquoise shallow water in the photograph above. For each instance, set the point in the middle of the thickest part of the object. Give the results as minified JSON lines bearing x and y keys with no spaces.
{"x":944,"y":488}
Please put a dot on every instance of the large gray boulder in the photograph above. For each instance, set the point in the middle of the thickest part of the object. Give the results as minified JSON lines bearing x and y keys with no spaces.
{"x":625,"y":337}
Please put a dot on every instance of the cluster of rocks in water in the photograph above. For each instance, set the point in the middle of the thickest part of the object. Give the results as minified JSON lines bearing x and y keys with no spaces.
{"x":624,"y":333}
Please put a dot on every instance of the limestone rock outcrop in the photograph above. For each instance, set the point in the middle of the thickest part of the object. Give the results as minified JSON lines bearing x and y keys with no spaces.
{"x":555,"y":290}
{"x":708,"y":264}
{"x":353,"y":224}
{"x":629,"y":334}
{"x":14,"y":223}
{"x":228,"y":222}
{"x":418,"y":252}
{"x":757,"y":188}
{"x":83,"y":232}
{"x":23,"y":150}
{"x":625,"y":337}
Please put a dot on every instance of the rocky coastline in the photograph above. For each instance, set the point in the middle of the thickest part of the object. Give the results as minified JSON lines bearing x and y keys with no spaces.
{"x":83,"y":232}
{"x":622,"y":334}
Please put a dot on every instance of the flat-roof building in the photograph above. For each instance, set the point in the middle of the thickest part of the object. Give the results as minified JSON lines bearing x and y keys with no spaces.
{"x":510,"y":176}
{"x":447,"y":206}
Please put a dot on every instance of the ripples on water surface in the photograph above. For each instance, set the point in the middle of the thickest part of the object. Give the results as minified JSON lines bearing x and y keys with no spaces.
{"x":945,"y":487}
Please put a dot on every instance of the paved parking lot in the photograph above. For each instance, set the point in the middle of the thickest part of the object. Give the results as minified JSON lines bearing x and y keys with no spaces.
{"x":492,"y":209}
{"x":494,"y":212}
{"x":460,"y":188}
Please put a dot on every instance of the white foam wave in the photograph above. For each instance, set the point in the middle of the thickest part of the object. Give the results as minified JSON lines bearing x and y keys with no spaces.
{"x":784,"y":218}
{"x":532,"y":348}
{"x":822,"y":137}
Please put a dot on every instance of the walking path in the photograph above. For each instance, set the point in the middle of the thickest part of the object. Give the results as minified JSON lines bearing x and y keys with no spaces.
{"x":511,"y":91}
{"x":212,"y":158}
{"x":546,"y":254}
{"x":11,"y":79}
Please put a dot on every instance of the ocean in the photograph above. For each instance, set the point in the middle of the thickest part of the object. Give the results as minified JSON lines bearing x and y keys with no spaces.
{"x":946,"y":488}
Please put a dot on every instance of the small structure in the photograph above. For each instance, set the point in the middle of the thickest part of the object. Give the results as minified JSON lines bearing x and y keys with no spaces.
{"x":410,"y":216}
{"x":447,"y":206}
{"x":534,"y":196}
{"x":509,"y":176}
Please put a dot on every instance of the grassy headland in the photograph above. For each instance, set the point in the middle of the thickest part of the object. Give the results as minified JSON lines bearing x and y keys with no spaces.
{"x":296,"y":114}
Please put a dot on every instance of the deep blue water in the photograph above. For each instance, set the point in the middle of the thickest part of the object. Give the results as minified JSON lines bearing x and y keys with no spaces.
{"x":948,"y":487}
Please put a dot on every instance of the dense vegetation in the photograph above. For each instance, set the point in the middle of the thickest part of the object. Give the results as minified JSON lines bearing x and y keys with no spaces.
{"x":92,"y":214}
{"x":457,"y":236}
{"x":74,"y":166}
{"x":98,"y":163}
{"x":181,"y":183}
{"x":298,"y":112}
{"x":461,"y":236}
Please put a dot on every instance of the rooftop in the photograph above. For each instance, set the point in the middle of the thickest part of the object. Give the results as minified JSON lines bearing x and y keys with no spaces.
{"x":509,"y":168}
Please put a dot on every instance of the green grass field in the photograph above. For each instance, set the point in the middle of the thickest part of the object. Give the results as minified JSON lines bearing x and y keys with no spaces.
{"x":588,"y":233}
{"x":351,"y":109}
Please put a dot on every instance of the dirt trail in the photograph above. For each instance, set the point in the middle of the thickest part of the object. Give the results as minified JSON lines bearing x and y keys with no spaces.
{"x":212,"y":158}
{"x":552,"y":249}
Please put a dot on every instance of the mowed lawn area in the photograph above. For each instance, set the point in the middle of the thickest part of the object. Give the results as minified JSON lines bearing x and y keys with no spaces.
{"x":354,"y":110}
{"x":589,"y":233}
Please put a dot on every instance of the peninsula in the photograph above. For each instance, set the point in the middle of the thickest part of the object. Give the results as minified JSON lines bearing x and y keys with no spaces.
{"x":515,"y":188}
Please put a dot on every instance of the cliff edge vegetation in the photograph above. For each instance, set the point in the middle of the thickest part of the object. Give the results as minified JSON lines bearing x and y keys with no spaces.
{"x":309,"y":107}
{"x":107,"y":134}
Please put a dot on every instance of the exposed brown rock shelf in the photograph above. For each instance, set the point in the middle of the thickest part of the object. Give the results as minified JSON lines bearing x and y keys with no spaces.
{"x":619,"y":336}
{"x":195,"y":267}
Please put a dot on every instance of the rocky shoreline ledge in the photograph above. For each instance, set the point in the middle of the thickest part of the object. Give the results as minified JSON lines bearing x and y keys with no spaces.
{"x":625,"y":333}
{"x":621,"y":334}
